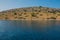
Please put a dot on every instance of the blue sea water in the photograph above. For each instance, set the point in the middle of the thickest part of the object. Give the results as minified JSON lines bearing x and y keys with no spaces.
{"x":29,"y":30}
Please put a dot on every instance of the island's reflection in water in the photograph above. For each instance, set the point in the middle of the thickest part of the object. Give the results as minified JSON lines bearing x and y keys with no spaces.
{"x":30,"y":30}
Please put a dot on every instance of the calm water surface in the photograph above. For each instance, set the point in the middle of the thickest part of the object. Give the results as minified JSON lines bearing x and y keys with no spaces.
{"x":30,"y":30}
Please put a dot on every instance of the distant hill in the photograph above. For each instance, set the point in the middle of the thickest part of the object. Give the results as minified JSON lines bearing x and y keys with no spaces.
{"x":30,"y":13}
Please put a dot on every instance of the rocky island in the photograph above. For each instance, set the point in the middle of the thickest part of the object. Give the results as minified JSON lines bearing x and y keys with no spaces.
{"x":31,"y":13}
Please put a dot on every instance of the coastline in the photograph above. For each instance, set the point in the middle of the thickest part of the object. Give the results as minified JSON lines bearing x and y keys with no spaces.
{"x":35,"y":13}
{"x":33,"y":19}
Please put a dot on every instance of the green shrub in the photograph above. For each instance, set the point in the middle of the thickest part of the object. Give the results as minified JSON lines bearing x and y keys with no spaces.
{"x":15,"y":13}
{"x":53,"y":18}
{"x":33,"y":14}
{"x":41,"y":14}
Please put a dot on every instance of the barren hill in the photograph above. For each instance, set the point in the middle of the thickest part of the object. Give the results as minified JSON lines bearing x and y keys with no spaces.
{"x":30,"y":13}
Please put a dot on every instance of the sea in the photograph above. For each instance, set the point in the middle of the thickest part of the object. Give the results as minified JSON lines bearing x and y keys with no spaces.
{"x":29,"y":29}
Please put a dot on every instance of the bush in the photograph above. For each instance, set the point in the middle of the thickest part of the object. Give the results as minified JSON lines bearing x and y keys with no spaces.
{"x":15,"y":13}
{"x":33,"y":15}
{"x":53,"y":18}
{"x":40,"y":6}
{"x":41,"y":14}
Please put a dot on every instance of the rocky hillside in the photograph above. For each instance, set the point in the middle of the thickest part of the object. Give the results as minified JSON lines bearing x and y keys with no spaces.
{"x":30,"y":13}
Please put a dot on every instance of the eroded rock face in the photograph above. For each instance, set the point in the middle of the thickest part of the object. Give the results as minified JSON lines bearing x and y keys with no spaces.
{"x":30,"y":13}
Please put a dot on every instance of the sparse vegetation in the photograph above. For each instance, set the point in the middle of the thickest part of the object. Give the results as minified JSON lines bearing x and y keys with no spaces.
{"x":25,"y":13}
{"x":6,"y":18}
{"x":16,"y":17}
{"x":20,"y":18}
{"x":35,"y":10}
{"x":39,"y":11}
{"x":15,"y":13}
{"x":20,"y":14}
{"x":53,"y":18}
{"x":26,"y":16}
{"x":24,"y":10}
{"x":41,"y":14}
{"x":31,"y":12}
{"x":40,"y":6}
{"x":58,"y":14}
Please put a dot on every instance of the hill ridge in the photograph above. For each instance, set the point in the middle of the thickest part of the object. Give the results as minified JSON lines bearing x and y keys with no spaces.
{"x":30,"y":13}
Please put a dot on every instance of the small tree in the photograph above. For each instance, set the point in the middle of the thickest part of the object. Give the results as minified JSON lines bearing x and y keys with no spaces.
{"x":40,"y":6}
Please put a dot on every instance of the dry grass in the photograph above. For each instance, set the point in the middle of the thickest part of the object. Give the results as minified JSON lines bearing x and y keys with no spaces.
{"x":31,"y":13}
